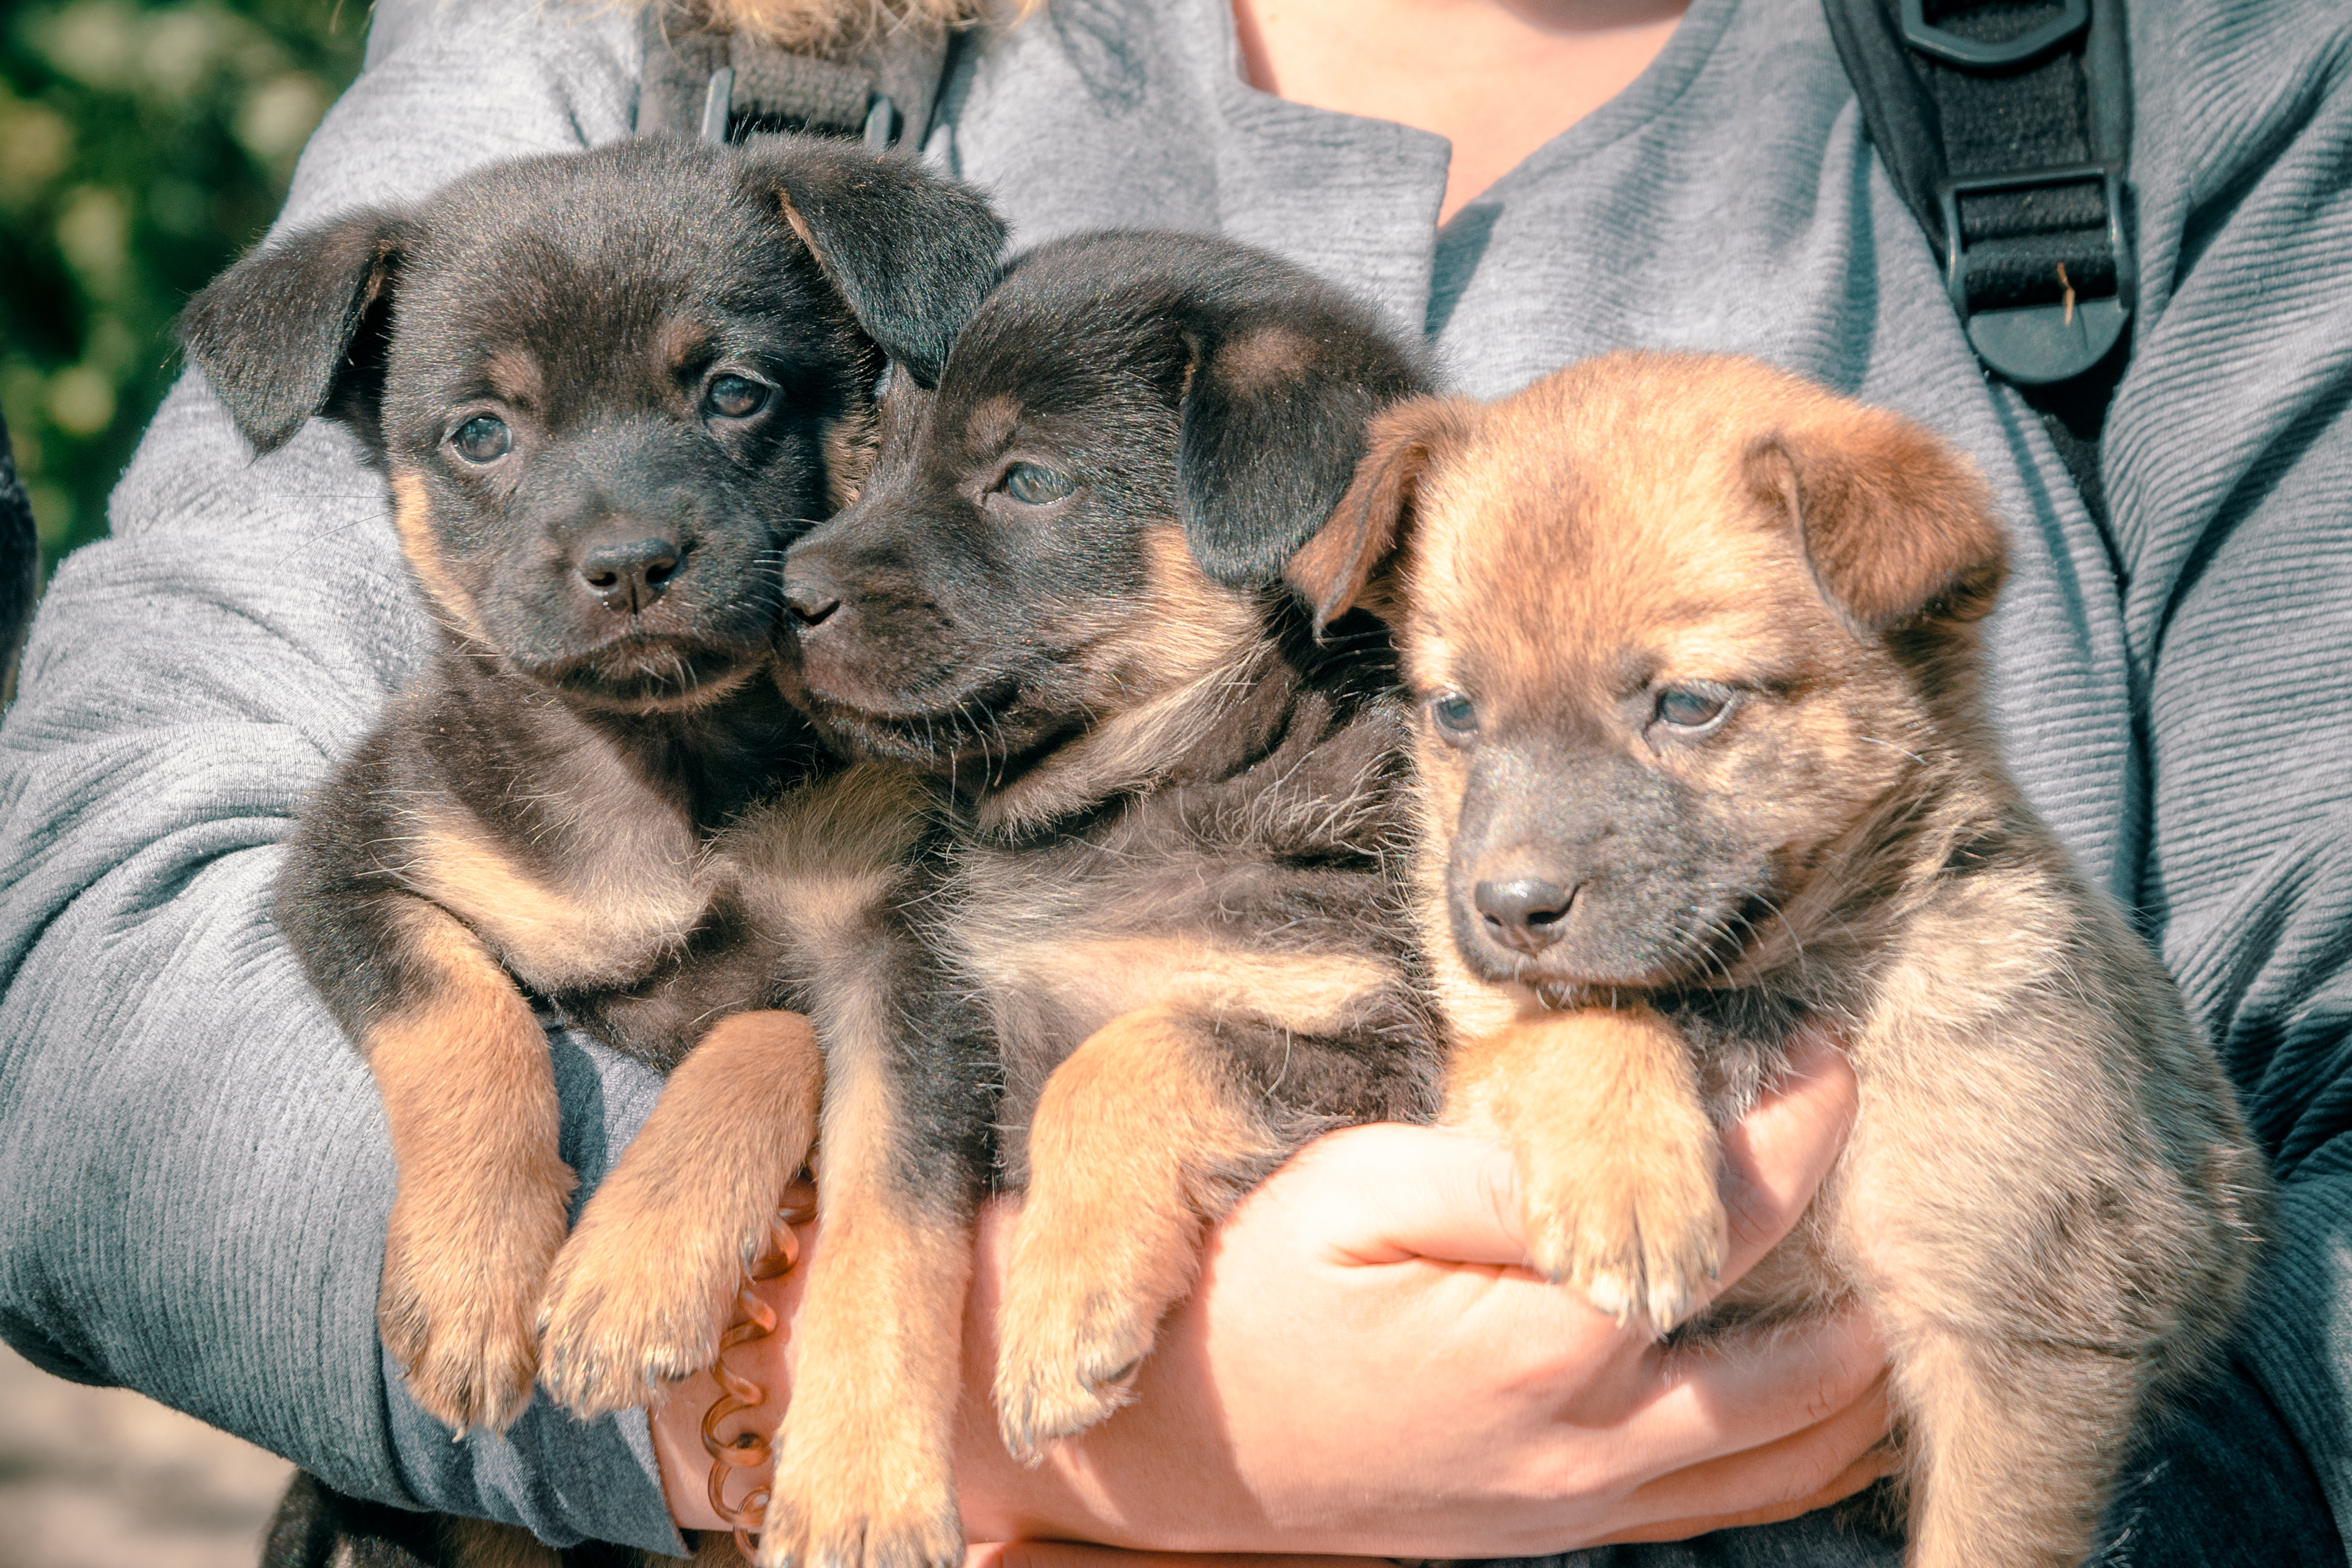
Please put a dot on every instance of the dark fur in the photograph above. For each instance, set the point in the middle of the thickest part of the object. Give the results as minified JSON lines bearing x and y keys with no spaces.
{"x":1177,"y":881}
{"x":596,"y":793}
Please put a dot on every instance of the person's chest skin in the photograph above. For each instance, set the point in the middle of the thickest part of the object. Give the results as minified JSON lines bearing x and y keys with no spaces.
{"x":1725,"y":199}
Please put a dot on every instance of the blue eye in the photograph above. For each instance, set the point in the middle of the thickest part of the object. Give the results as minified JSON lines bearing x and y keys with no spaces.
{"x":1455,"y":716}
{"x":734,"y":397}
{"x":1688,"y":708}
{"x":1033,"y":484}
{"x":484,"y":438}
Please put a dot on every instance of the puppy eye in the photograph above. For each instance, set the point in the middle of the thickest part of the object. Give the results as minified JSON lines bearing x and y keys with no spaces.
{"x":484,"y":438}
{"x":1689,"y":708}
{"x":734,"y":397}
{"x":1033,"y":484}
{"x":1455,"y":716}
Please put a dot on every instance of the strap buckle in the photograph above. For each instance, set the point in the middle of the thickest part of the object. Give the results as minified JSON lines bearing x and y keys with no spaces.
{"x":879,"y":131}
{"x":1974,"y":54}
{"x":2034,"y":345}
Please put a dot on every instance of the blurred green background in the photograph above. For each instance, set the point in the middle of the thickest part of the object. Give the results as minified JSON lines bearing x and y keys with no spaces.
{"x":142,"y":147}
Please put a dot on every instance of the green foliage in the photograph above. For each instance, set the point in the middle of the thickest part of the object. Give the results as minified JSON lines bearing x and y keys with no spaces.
{"x":142,"y":148}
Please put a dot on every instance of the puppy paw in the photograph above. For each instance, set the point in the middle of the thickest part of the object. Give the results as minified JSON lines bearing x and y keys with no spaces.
{"x":1634,"y":1223}
{"x":633,"y":1302}
{"x":843,"y":1510}
{"x":1064,"y":1359}
{"x":455,"y":1304}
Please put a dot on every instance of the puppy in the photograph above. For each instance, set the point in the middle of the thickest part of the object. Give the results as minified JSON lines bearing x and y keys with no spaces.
{"x":1177,"y":877}
{"x":605,"y":390}
{"x":1705,"y":756}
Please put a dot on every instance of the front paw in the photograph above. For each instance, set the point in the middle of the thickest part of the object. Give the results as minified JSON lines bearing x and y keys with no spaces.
{"x":635,"y":1301}
{"x":1632,"y":1222}
{"x":457,"y":1303}
{"x":846,"y":1508}
{"x":1067,"y":1352}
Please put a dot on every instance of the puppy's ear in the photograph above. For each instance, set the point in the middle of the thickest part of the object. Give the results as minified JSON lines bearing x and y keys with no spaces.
{"x":298,"y":329}
{"x":1348,"y":561}
{"x":909,"y":252}
{"x":1895,"y":524}
{"x":1274,"y":426}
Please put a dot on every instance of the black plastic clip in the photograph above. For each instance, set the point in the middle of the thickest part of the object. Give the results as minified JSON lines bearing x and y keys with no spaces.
{"x":2034,"y":345}
{"x":1973,"y":54}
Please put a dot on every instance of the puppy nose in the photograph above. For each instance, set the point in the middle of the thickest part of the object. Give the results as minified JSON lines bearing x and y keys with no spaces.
{"x":628,"y":574}
{"x":1524,"y":913}
{"x":810,"y":601}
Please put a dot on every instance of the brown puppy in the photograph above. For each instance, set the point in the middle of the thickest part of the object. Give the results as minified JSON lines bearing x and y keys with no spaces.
{"x":1705,"y":756}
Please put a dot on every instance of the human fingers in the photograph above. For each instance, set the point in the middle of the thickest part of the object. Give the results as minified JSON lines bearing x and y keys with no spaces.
{"x":1805,"y":1470}
{"x":1776,"y":1157}
{"x":1386,"y":1193}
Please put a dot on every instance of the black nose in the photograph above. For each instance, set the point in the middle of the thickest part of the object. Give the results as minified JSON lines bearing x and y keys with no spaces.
{"x":628,"y":574}
{"x":1524,"y":913}
{"x":809,"y":601}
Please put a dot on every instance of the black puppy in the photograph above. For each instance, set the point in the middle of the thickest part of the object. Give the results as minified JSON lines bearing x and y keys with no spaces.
{"x":605,"y":390}
{"x":1177,"y":885}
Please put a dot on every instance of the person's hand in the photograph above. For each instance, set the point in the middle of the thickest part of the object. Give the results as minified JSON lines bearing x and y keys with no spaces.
{"x":1363,"y":1369}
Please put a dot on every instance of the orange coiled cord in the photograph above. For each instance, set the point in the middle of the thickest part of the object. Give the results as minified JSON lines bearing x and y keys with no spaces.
{"x":749,"y":1448}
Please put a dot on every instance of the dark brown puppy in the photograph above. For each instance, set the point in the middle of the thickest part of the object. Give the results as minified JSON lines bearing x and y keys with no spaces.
{"x":1177,"y":879}
{"x":1705,"y":756}
{"x":605,"y":390}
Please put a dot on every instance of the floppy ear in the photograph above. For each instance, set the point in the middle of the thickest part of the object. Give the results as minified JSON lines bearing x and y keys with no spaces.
{"x":1345,"y":563}
{"x":911,"y":253}
{"x":298,"y":329}
{"x":1279,"y":393}
{"x":1894,"y":523}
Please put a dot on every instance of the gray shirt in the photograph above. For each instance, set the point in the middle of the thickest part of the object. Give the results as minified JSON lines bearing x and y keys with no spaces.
{"x":194,"y":1161}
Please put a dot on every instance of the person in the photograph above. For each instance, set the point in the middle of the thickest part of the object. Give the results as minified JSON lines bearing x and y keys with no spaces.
{"x":195,"y":1168}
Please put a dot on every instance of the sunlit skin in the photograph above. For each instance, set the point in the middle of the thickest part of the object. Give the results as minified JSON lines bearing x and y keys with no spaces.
{"x":1498,"y":79}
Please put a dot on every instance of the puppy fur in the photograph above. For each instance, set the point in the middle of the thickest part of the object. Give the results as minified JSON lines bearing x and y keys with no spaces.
{"x":605,"y":390}
{"x":1178,"y":876}
{"x":1705,"y":757}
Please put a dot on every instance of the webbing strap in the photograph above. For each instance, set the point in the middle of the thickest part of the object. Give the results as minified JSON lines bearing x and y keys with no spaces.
{"x":2005,"y":125}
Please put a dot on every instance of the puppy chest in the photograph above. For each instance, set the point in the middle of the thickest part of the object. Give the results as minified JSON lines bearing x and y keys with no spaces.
{"x":589,"y":917}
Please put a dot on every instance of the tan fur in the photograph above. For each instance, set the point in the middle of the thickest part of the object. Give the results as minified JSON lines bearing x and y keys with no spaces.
{"x":594,"y":927}
{"x":1165,"y":672}
{"x":2047,"y":1201}
{"x":1616,"y":1156}
{"x":636,"y":1296}
{"x":470,"y":1097}
{"x":1139,"y":1135}
{"x":411,"y":519}
{"x":863,"y":1469}
{"x":837,"y":27}
{"x":1165,"y":675}
{"x":1269,"y":358}
{"x":850,"y":443}
{"x":992,"y":422}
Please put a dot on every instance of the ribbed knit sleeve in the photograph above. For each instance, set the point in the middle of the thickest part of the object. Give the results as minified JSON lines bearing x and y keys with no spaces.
{"x":2229,"y":464}
{"x":193,"y":1167}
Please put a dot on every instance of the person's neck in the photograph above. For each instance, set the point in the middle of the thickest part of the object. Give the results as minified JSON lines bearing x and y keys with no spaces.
{"x":1497,"y":78}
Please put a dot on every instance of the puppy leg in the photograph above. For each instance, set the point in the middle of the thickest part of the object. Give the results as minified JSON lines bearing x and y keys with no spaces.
{"x":469,"y":1092}
{"x":636,"y":1296}
{"x":2011,"y":1446}
{"x":1139,"y":1137}
{"x":863,"y":1472}
{"x":1617,"y":1161}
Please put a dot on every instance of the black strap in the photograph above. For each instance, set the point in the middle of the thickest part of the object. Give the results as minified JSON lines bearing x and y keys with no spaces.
{"x":723,"y":87}
{"x":2005,"y":125}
